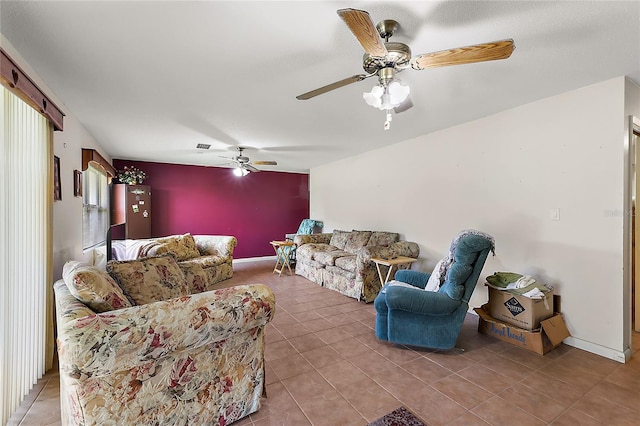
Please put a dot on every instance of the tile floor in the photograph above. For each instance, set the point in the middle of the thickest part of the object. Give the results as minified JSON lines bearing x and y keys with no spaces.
{"x":324,"y":366}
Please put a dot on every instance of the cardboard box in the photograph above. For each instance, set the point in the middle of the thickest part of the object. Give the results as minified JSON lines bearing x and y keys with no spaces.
{"x":520,"y":311}
{"x":550,"y":335}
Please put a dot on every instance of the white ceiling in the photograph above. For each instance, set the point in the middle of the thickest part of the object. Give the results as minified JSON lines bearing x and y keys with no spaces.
{"x":150,"y":80}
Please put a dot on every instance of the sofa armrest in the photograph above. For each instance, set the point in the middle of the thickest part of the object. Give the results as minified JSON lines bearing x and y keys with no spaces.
{"x":400,"y":248}
{"x":220,"y":245}
{"x":416,"y":278}
{"x":102,"y":344}
{"x":419,"y":301}
{"x":301,"y":239}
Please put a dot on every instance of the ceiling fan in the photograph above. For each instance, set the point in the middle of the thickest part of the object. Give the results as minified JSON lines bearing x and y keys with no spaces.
{"x":385,"y":59}
{"x":244,"y":165}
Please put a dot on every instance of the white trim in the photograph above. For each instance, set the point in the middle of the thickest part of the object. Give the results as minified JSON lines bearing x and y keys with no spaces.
{"x":254,"y":259}
{"x":594,"y":348}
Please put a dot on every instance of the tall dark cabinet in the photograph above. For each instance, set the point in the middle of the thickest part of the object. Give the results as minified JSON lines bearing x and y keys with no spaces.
{"x":131,"y":207}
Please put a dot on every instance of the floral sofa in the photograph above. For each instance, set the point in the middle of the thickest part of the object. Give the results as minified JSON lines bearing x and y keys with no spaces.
{"x":135,"y":346}
{"x":341,"y":260}
{"x":204,"y":259}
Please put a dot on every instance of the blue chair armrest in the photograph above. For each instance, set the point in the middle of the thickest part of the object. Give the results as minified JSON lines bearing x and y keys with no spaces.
{"x":420,"y":301}
{"x":415,"y":278}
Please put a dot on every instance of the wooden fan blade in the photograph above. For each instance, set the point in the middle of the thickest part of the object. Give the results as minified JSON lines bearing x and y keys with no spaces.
{"x":332,"y":86}
{"x":265,"y":163}
{"x":360,"y":24}
{"x":501,"y":49}
{"x":251,"y":168}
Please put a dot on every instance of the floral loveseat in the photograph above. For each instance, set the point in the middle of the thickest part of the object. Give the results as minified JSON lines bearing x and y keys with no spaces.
{"x":145,"y":351}
{"x":204,"y":259}
{"x":341,"y":260}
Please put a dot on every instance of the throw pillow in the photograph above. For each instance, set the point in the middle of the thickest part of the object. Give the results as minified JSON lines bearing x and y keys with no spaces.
{"x":436,"y":278}
{"x":383,"y":238}
{"x":183,"y":246}
{"x":339,"y":239}
{"x":93,"y":287}
{"x":151,"y":279}
{"x":356,"y":240}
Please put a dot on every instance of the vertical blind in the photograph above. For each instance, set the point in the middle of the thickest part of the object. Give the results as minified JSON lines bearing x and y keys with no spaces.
{"x":25,"y":248}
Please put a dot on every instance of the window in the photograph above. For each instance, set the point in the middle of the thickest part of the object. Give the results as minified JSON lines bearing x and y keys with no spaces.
{"x":95,"y":206}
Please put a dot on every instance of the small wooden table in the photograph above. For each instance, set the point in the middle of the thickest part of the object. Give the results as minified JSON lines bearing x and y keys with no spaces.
{"x":282,"y":256}
{"x":390,"y":262}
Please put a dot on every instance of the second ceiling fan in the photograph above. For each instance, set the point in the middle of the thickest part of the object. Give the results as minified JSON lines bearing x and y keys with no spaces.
{"x":385,"y":59}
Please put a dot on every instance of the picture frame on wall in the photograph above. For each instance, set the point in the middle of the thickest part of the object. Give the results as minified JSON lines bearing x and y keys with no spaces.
{"x":57,"y":188}
{"x":77,"y":183}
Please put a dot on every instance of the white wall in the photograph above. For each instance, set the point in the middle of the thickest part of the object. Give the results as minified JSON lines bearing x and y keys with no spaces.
{"x":504,"y":174}
{"x":68,"y":144}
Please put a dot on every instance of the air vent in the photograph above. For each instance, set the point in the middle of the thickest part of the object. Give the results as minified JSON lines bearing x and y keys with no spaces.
{"x":203,"y":146}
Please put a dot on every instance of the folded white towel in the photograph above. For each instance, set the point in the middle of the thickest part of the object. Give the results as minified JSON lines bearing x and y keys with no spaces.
{"x":522,"y":282}
{"x":535,"y":293}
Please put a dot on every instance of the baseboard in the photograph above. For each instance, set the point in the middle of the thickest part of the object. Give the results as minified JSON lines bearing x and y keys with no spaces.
{"x":594,"y":348}
{"x":255,"y":259}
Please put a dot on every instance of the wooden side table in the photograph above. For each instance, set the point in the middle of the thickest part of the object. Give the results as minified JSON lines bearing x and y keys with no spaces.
{"x":390,"y":262}
{"x":282,"y":256}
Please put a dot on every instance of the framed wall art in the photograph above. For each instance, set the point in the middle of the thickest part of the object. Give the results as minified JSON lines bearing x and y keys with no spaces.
{"x":57,"y":188}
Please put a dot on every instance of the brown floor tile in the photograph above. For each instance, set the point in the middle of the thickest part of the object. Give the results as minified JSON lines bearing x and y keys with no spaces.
{"x":450,"y":360}
{"x":306,"y":385}
{"x":306,"y":342}
{"x":497,"y":411}
{"x":468,"y":419}
{"x":322,"y":356}
{"x":294,"y":330}
{"x":618,"y":394}
{"x":426,"y":370}
{"x":559,"y":391}
{"x":278,"y":400}
{"x":573,"y":417}
{"x":606,"y":411}
{"x":330,"y":408}
{"x":511,"y":369}
{"x":369,"y":399}
{"x":319,"y":325}
{"x":462,"y":391}
{"x":342,"y":374}
{"x":291,"y":366}
{"x":433,"y":407}
{"x":278,"y":350}
{"x":486,"y":379}
{"x":535,"y":403}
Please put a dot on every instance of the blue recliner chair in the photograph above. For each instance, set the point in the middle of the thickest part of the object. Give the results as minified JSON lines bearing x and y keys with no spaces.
{"x":433,"y":319}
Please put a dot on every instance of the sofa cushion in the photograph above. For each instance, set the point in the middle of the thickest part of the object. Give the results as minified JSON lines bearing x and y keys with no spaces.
{"x":382,"y":238}
{"x":348,"y":263}
{"x":206,"y":261}
{"x":196,"y":277}
{"x":183,"y":246}
{"x":93,"y":287}
{"x":151,"y":279}
{"x":356,"y":240}
{"x":339,"y":239}
{"x":307,"y":251}
{"x":328,"y":257}
{"x":342,"y":272}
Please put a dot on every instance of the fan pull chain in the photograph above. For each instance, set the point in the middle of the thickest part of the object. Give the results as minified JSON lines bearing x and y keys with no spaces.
{"x":387,"y":123}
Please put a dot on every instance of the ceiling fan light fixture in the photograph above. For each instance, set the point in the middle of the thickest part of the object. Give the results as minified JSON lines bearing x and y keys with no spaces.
{"x":388,"y":96}
{"x":240,"y":171}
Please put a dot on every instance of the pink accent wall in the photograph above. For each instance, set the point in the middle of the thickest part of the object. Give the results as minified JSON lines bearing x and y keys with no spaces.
{"x":256,"y":208}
